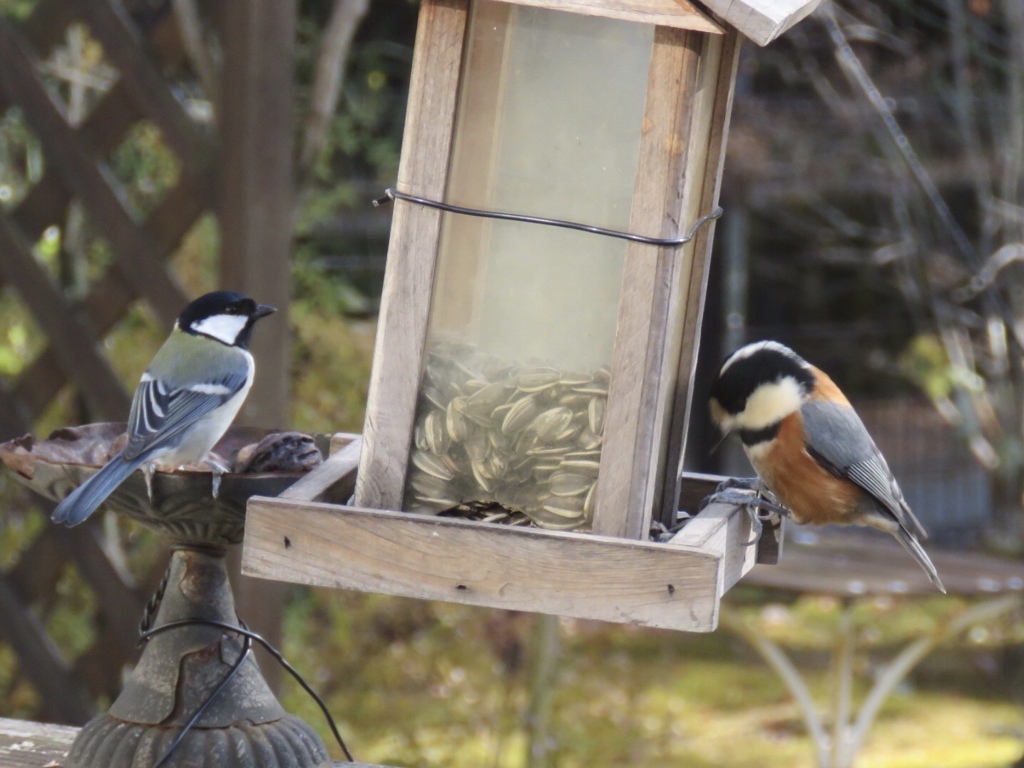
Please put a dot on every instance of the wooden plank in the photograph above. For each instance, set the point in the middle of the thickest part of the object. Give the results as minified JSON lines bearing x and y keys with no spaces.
{"x":119,"y":601}
{"x":78,"y":353}
{"x":47,"y":25}
{"x":126,"y":49}
{"x":727,"y":530}
{"x":45,"y":204}
{"x":15,"y":418}
{"x":256,"y":191}
{"x":33,"y":745}
{"x":762,"y":20}
{"x":39,"y":568}
{"x":472,"y":171}
{"x":64,"y":695}
{"x":522,"y":569}
{"x":25,"y":744}
{"x":679,"y":14}
{"x":639,"y":388}
{"x":856,"y":561}
{"x":104,"y":128}
{"x":338,"y":470}
{"x":110,"y":296}
{"x":256,"y":216}
{"x":717,"y":89}
{"x":80,"y":170}
{"x":696,"y":487}
{"x":412,"y":253}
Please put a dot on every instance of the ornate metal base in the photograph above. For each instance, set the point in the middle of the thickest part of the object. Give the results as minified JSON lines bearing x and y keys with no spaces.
{"x":242,"y":726}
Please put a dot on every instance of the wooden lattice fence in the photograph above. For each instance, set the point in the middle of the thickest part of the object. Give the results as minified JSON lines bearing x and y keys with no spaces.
{"x":143,"y":52}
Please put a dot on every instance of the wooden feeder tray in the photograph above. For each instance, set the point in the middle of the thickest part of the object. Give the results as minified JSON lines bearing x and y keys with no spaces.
{"x":677,"y":584}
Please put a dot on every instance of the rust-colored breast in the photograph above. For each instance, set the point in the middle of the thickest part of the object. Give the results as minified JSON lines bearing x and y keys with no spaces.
{"x":811,"y":493}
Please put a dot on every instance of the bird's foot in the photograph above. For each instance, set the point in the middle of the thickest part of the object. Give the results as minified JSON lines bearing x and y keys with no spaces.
{"x":753,"y":495}
{"x":216,"y":463}
{"x":148,"y":469}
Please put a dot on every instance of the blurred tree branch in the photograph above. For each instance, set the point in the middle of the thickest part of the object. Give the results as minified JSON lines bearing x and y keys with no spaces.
{"x":328,"y":78}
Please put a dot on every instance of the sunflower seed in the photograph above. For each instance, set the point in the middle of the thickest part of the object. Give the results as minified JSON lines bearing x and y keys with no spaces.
{"x":595,"y":414}
{"x":569,"y":484}
{"x":519,"y":416}
{"x":432,"y":465}
{"x":550,"y":423}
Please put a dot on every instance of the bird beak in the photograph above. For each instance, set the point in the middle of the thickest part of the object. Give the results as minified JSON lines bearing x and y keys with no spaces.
{"x":262,"y":310}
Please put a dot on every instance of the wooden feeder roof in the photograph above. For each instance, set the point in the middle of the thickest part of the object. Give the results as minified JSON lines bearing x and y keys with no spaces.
{"x":762,"y":20}
{"x":667,"y":13}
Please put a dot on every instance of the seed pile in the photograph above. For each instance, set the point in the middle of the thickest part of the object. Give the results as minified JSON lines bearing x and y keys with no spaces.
{"x":527,"y":438}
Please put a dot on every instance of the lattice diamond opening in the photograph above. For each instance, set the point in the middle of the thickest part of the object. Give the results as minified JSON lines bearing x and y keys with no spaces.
{"x":77,"y":73}
{"x":21,"y":340}
{"x":133,"y":342}
{"x":21,"y":158}
{"x":145,"y":166}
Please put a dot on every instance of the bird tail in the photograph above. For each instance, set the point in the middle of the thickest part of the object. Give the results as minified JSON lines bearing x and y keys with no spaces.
{"x":911,"y":544}
{"x":84,"y":500}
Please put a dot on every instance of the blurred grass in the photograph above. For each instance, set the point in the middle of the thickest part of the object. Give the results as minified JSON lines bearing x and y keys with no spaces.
{"x":428,"y":684}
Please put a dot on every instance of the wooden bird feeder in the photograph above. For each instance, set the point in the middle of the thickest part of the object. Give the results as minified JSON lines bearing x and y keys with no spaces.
{"x":540,"y":318}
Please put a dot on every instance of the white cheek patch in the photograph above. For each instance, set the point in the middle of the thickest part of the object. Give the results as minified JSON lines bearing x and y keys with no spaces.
{"x":770,"y":403}
{"x":222,"y":327}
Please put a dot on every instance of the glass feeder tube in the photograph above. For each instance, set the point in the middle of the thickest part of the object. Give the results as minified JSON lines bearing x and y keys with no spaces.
{"x":522,"y":320}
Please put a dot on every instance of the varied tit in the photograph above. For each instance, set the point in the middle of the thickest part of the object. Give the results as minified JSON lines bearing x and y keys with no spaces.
{"x":186,"y":399}
{"x":809,"y":447}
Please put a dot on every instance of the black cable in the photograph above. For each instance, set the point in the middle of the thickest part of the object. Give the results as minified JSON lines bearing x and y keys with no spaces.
{"x":250,"y":635}
{"x":393,"y":194}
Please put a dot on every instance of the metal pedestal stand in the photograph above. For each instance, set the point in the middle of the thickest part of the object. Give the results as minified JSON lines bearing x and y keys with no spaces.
{"x":185,"y":691}
{"x":243,"y":724}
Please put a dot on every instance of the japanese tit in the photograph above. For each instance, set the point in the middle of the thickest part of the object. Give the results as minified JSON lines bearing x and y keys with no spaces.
{"x":809,"y":447}
{"x":186,"y":399}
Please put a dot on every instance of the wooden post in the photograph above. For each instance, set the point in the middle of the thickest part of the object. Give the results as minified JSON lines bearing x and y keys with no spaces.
{"x":255,"y":120}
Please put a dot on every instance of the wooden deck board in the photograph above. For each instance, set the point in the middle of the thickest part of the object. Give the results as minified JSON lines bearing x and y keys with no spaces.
{"x":26,"y":744}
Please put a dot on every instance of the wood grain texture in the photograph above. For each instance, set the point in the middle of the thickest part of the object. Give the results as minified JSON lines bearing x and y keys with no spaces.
{"x":679,"y":14}
{"x":257,"y":199}
{"x":339,"y":469}
{"x":639,"y":387}
{"x":696,"y":487}
{"x":77,"y":352}
{"x":140,"y":75}
{"x":25,"y":744}
{"x":412,"y":254}
{"x":80,"y":170}
{"x":42,"y":663}
{"x":111,"y":295}
{"x":715,"y":105}
{"x":430,"y":558}
{"x":727,"y":530}
{"x":762,"y":20}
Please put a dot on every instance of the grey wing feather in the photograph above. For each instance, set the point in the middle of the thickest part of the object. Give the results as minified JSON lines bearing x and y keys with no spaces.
{"x":839,"y":441}
{"x":160,"y":412}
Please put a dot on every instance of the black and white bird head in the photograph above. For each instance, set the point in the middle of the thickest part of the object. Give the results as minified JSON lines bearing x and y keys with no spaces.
{"x":759,"y":385}
{"x":224,"y":316}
